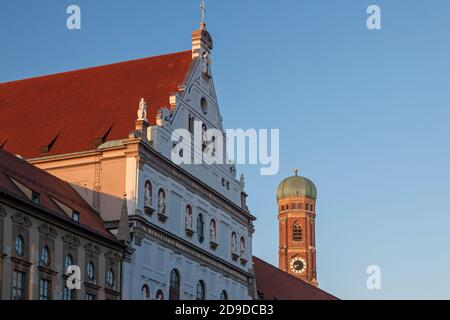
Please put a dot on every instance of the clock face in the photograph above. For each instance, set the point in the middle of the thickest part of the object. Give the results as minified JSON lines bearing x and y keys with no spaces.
{"x":298,"y":265}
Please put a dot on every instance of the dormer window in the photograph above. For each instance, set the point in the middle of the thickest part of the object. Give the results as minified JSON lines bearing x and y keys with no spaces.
{"x":36,"y":198}
{"x":76,"y":216}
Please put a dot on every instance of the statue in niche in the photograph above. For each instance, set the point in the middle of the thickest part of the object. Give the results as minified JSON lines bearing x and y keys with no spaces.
{"x":233,"y":243}
{"x":206,"y":64}
{"x":188,"y":221}
{"x":142,"y":111}
{"x":213,"y":231}
{"x":242,"y":246}
{"x":148,"y":195}
{"x":161,"y":202}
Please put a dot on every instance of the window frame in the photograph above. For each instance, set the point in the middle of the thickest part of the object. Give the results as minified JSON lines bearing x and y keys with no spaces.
{"x":19,"y":289}
{"x":45,"y":287}
{"x":175,"y":285}
{"x":90,"y":267}
{"x":200,"y":228}
{"x":45,"y":259}
{"x":19,"y":246}
{"x":110,"y":278}
{"x":201,"y":294}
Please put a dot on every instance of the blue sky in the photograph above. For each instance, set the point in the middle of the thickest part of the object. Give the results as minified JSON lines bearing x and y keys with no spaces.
{"x":364,"y":114}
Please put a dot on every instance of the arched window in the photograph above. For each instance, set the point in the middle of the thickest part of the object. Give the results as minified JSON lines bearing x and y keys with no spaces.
{"x":110,"y":279}
{"x":20,"y":249}
{"x":174,"y":290}
{"x":145,"y":292}
{"x":297,"y":232}
{"x":242,"y":247}
{"x":68,"y":261}
{"x":45,"y":256}
{"x":160,"y":295}
{"x":200,"y":228}
{"x":201,"y":290}
{"x":191,"y":124}
{"x":188,"y":218}
{"x":204,"y":105}
{"x":148,"y":194}
{"x":90,"y":270}
{"x":223,"y":295}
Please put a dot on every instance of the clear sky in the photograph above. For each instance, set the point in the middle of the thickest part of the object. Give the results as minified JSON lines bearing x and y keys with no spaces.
{"x":364,"y":114}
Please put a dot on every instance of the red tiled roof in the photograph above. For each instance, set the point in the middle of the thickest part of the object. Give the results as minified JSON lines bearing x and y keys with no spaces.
{"x":274,"y":284}
{"x":74,"y":108}
{"x":49,"y":188}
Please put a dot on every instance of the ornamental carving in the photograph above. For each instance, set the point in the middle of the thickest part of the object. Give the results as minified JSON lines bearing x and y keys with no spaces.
{"x":92,"y":248}
{"x":21,"y":219}
{"x":113,"y":255}
{"x":48,"y":230}
{"x":2,"y":211}
{"x":71,"y":240}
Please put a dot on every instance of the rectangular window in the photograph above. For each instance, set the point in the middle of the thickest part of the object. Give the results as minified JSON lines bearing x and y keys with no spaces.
{"x":68,"y":294}
{"x":76,"y":216}
{"x":36,"y":198}
{"x":90,"y":296}
{"x":44,"y":289}
{"x":19,"y":282}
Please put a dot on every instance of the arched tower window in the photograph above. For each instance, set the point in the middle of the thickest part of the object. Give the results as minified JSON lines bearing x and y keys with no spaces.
{"x":204,"y":105}
{"x":223,"y":295}
{"x":297,"y":232}
{"x":174,"y":290}
{"x":200,"y":228}
{"x":201,"y":290}
{"x":145,"y":292}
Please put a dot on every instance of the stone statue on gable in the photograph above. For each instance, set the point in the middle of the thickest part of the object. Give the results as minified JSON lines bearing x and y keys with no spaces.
{"x":142,"y":111}
{"x":206,"y":64}
{"x":242,"y":181}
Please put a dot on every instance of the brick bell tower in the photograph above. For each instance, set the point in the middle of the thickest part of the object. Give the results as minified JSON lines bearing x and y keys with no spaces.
{"x":296,"y":198}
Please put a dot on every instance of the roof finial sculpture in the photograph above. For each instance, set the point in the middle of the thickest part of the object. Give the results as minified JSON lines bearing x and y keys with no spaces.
{"x":242,"y":181}
{"x":296,"y":171}
{"x":142,"y":111}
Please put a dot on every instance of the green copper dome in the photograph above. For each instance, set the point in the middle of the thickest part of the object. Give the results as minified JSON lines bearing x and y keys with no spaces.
{"x":296,"y":186}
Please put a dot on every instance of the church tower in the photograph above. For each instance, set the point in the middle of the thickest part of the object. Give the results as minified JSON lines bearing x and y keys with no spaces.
{"x":296,"y":198}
